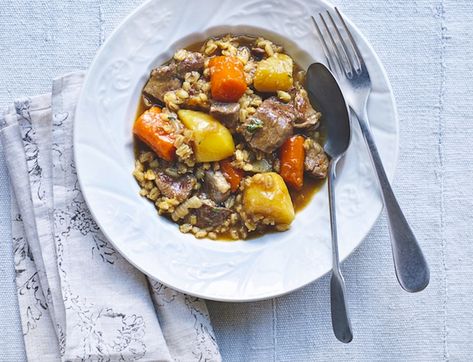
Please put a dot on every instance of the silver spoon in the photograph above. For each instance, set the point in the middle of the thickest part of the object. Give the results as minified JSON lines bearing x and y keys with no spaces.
{"x":326,"y":96}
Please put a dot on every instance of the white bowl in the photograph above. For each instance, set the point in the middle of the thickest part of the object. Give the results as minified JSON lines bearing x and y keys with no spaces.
{"x":260,"y":268}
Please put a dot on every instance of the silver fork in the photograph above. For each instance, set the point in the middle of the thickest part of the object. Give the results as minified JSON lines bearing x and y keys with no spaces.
{"x":345,"y":60}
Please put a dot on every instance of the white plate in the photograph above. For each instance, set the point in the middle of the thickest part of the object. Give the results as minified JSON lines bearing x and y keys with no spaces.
{"x":228,"y":271}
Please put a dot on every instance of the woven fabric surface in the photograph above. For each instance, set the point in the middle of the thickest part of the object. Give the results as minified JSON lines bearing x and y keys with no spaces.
{"x":426,"y":47}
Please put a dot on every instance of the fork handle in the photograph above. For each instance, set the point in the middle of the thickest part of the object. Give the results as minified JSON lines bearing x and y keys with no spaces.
{"x":411,"y":267}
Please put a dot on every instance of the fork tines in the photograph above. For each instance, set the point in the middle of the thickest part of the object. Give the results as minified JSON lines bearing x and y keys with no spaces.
{"x":341,"y":50}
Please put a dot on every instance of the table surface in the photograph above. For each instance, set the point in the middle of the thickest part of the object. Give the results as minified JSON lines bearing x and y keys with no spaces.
{"x":427,"y":47}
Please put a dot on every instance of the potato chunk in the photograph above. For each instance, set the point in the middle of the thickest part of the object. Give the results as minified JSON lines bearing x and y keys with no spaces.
{"x":274,"y":74}
{"x":266,"y":196}
{"x":212,"y":140}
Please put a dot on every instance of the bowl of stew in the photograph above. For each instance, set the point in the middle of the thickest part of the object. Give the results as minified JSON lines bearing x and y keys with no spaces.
{"x":227,"y":144}
{"x":193,"y":129}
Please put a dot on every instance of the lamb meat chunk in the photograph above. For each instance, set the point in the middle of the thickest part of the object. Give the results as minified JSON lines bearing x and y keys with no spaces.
{"x":227,"y":113}
{"x":316,"y":161}
{"x":305,"y":113}
{"x":169,"y":77}
{"x":175,"y":188}
{"x":216,"y":186}
{"x":163,"y":79}
{"x":193,"y":62}
{"x":211,"y":216}
{"x":270,"y":126}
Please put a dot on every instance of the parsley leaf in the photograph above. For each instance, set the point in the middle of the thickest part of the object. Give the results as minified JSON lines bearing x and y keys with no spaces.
{"x":254,"y":125}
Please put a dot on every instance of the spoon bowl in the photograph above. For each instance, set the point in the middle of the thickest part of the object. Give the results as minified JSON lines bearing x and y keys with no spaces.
{"x":326,"y":96}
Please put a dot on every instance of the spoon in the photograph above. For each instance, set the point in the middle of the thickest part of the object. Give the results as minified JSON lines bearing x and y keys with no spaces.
{"x":325,"y":95}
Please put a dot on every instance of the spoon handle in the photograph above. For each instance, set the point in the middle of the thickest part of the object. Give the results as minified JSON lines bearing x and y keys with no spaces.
{"x":411,"y":267}
{"x":340,"y":320}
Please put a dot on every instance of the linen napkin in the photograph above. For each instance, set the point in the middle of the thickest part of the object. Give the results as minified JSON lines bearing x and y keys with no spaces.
{"x":79,"y":299}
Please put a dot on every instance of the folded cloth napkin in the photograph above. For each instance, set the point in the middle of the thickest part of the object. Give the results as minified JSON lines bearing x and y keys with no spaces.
{"x":79,"y":299}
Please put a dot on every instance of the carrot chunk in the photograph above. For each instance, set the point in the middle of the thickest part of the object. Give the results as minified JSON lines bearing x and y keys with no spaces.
{"x":292,"y":161}
{"x":152,"y":127}
{"x":227,"y":78}
{"x":232,"y":174}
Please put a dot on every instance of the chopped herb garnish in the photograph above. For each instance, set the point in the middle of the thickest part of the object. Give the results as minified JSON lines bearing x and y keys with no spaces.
{"x":254,"y":125}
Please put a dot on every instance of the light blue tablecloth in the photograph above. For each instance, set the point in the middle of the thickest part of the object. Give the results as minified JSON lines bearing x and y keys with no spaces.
{"x":427,"y":47}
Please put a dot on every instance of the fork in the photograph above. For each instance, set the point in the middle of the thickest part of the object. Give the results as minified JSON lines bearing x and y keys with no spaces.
{"x":345,"y":60}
